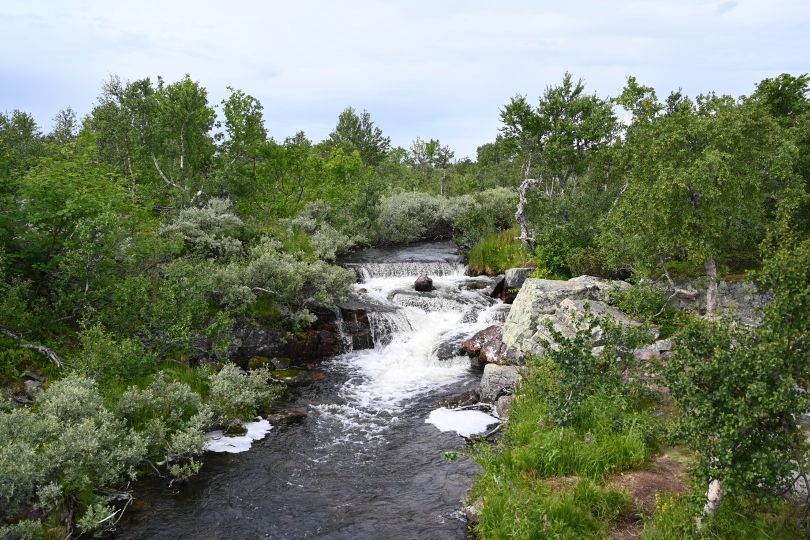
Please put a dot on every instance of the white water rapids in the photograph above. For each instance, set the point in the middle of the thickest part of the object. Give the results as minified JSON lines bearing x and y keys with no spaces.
{"x":407,"y":360}
{"x":363,"y":463}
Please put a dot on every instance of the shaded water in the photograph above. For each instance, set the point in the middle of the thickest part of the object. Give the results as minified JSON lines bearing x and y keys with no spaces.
{"x":364,"y":464}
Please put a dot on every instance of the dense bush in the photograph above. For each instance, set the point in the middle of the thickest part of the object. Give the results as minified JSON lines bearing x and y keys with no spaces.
{"x":65,"y":448}
{"x":739,"y":397}
{"x":491,"y":211}
{"x":107,"y":360}
{"x":327,"y":241}
{"x":291,"y":282}
{"x":209,"y":231}
{"x":237,"y":395}
{"x":411,"y":216}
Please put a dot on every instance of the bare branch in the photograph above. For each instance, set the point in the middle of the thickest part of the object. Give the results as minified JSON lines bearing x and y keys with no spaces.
{"x":48,"y":353}
{"x":262,"y":289}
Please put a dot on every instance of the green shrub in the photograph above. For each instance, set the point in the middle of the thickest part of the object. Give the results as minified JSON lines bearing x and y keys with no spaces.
{"x":209,"y":231}
{"x":552,"y":248}
{"x":235,"y":395}
{"x":488,"y":212}
{"x":67,"y":440}
{"x":292,"y":283}
{"x":327,"y":241}
{"x":739,"y":395}
{"x":570,"y":373}
{"x":106,"y":359}
{"x":590,"y":261}
{"x":411,"y":216}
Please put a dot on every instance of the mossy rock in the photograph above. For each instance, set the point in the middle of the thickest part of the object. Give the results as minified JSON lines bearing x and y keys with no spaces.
{"x":235,"y":428}
{"x":290,"y":376}
{"x":259,"y":362}
{"x":290,"y":373}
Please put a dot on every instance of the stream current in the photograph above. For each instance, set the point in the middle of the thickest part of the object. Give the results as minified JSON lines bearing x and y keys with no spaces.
{"x":364,"y":464}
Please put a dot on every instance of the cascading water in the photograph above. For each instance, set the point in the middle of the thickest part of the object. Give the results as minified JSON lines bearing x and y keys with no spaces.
{"x":345,"y":338}
{"x":364,"y":464}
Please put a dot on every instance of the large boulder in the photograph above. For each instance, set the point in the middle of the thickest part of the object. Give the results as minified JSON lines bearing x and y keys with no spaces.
{"x":540,"y":302}
{"x":497,"y":381}
{"x":486,"y":345}
{"x":741,"y":299}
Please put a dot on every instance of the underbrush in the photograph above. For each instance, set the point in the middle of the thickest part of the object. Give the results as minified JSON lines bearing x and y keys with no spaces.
{"x":573,"y":423}
{"x":497,"y":252}
{"x":674,"y":519}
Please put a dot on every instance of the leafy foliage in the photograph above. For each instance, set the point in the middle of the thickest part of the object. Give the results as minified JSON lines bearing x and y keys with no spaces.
{"x":238,"y":395}
{"x":739,"y":399}
{"x":210,"y":231}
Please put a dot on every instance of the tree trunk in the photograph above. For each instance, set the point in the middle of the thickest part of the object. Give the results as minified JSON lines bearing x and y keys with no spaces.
{"x":526,"y":231}
{"x":714,"y":497}
{"x":711,"y":292}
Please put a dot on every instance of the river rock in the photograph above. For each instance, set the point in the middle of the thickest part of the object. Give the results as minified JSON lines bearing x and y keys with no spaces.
{"x":32,"y":388}
{"x":515,"y":277}
{"x":504,"y":405}
{"x":738,"y":298}
{"x":486,"y":345}
{"x":497,"y":288}
{"x":323,"y":339}
{"x":423,"y":283}
{"x":473,"y":511}
{"x":498,"y":380}
{"x":464,"y":399}
{"x":235,"y":428}
{"x":539,"y":302}
{"x":288,"y":417}
{"x":449,"y":346}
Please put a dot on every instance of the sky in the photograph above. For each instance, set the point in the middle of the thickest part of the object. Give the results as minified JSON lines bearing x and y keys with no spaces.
{"x":439,"y":69}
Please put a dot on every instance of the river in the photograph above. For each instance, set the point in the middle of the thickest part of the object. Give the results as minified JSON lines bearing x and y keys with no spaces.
{"x":364,"y":463}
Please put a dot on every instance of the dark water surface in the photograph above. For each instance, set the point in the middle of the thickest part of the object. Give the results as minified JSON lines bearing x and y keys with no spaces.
{"x":364,"y":464}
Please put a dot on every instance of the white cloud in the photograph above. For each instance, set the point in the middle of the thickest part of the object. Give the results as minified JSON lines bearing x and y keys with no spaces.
{"x":430,"y":69}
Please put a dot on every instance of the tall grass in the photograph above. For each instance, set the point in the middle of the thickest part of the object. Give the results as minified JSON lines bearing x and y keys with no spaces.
{"x":674,"y":519}
{"x":497,"y":252}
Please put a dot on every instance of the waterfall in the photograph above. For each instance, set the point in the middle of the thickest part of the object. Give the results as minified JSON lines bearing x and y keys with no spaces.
{"x":385,"y":325}
{"x":345,"y":338}
{"x":368,"y":271}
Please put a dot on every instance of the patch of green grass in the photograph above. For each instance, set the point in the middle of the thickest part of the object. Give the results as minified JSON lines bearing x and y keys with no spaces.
{"x":497,"y":252}
{"x":528,"y":507}
{"x":521,"y":490}
{"x":544,"y":479}
{"x":675,"y":519}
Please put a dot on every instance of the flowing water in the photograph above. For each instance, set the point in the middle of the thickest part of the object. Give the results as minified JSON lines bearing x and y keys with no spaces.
{"x":364,"y":464}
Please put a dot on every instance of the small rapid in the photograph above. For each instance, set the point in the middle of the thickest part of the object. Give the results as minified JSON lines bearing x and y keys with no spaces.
{"x":364,"y":464}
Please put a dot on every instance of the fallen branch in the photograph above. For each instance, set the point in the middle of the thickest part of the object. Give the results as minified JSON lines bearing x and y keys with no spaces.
{"x":42,"y":349}
{"x":262,"y":289}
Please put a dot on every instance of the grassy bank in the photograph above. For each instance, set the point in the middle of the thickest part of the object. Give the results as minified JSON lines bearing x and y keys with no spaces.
{"x":497,"y":252}
{"x":590,"y":451}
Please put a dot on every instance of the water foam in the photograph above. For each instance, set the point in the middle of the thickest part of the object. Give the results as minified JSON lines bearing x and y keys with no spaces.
{"x":465,"y":423}
{"x":217,"y":441}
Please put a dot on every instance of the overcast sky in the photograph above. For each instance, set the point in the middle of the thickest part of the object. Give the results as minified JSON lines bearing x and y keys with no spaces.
{"x":438,"y":69}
